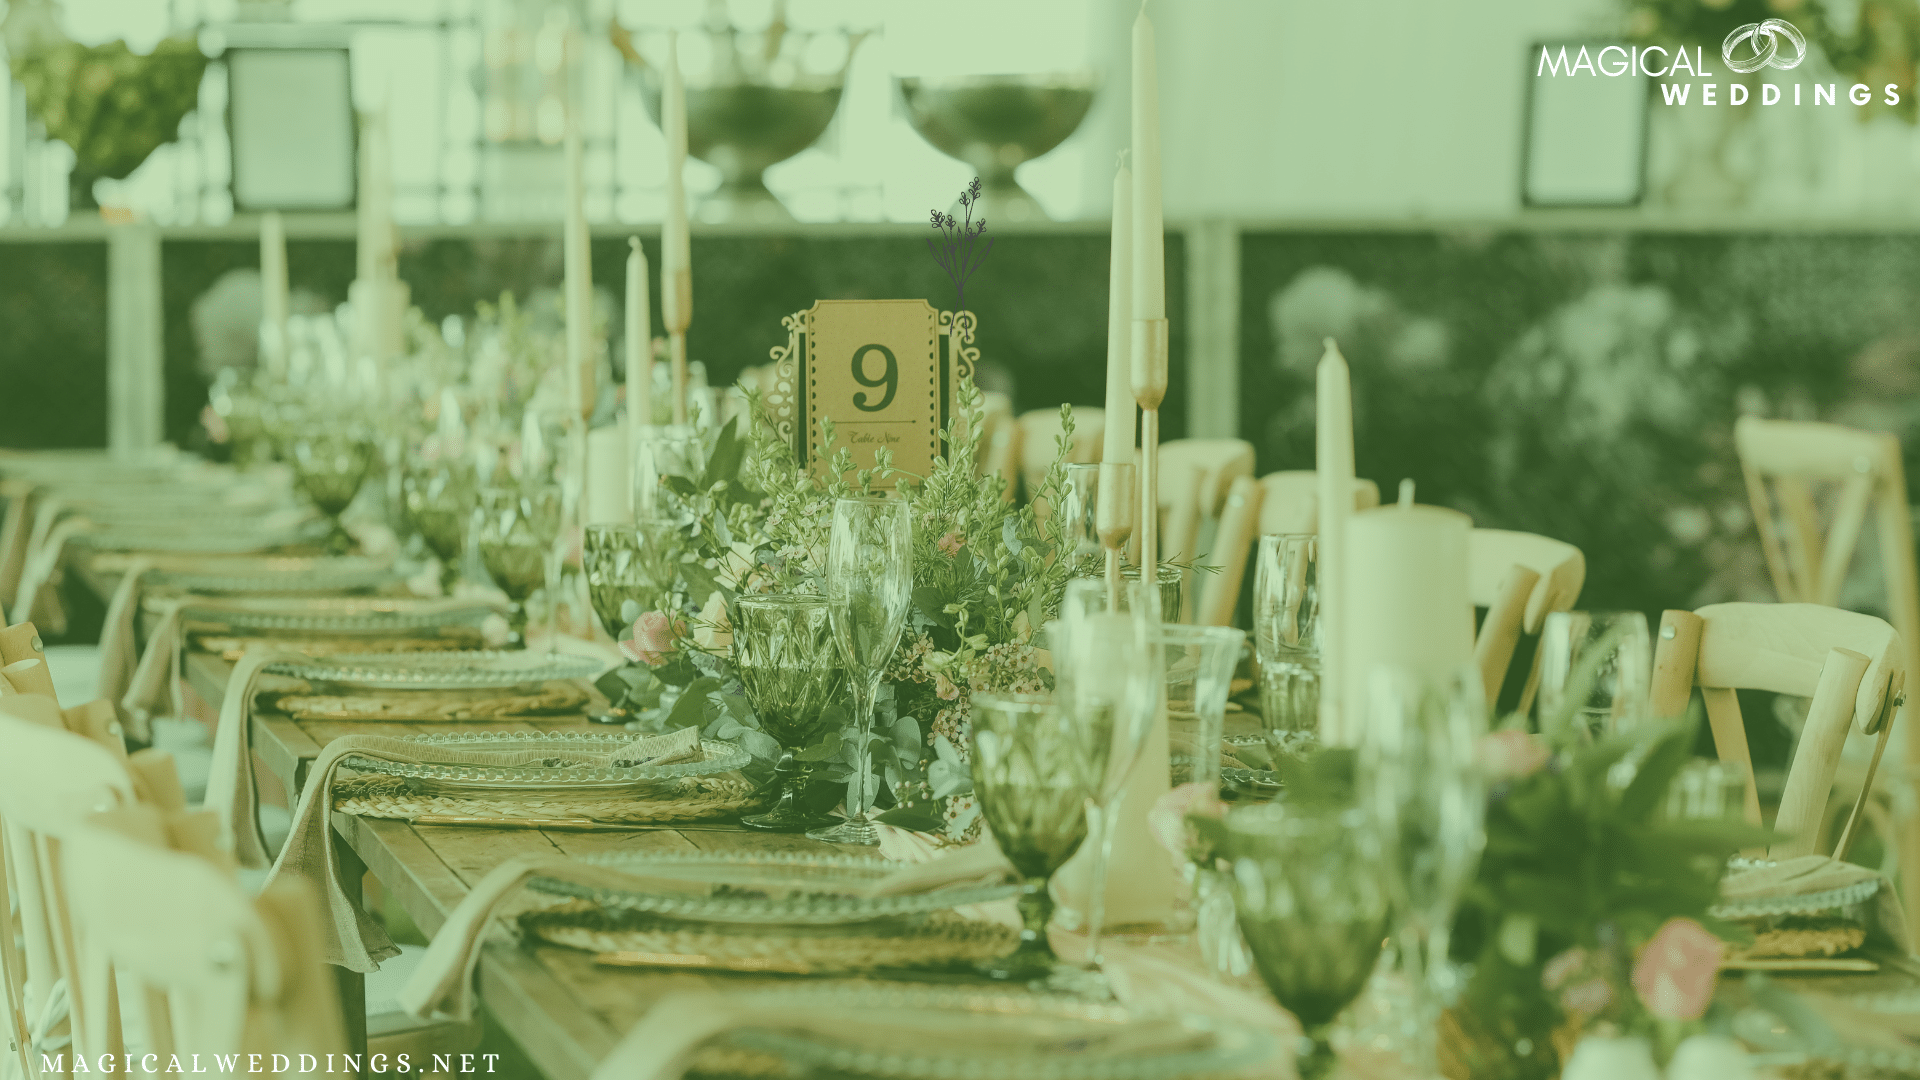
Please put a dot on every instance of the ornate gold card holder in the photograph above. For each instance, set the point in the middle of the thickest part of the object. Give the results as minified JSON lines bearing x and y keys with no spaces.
{"x":886,"y":373}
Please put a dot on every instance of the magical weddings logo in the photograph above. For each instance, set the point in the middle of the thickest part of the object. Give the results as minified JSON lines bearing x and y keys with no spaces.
{"x":1748,"y":49}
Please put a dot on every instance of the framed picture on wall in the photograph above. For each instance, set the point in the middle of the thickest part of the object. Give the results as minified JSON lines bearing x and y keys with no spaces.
{"x":1584,"y":129}
{"x":290,"y":117}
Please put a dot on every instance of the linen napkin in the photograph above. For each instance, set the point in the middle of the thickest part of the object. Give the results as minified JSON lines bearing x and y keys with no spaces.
{"x":354,"y":940}
{"x":442,"y":987}
{"x":1809,"y":874}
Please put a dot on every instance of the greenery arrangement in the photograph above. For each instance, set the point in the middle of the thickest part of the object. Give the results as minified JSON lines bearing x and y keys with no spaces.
{"x":986,"y":573}
{"x":113,"y":106}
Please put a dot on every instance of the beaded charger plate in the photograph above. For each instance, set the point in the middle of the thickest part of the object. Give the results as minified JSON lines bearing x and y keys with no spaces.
{"x":348,"y":615}
{"x":772,"y":888}
{"x":293,"y":574}
{"x":479,"y":669}
{"x":576,"y":760}
{"x":914,"y":1033}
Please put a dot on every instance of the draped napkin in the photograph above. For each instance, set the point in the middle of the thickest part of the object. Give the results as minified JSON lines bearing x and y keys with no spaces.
{"x":442,"y":987}
{"x":1810,"y":874}
{"x":1152,"y":981}
{"x":355,"y":940}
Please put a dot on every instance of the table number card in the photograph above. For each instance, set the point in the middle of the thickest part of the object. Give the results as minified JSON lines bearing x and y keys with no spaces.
{"x":883,"y":371}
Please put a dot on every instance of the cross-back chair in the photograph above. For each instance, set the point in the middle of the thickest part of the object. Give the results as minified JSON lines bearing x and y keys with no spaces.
{"x":1290,"y":500}
{"x":1520,"y":579}
{"x":1853,"y":667}
{"x":999,"y":453}
{"x":1789,"y":466}
{"x":1197,"y":479}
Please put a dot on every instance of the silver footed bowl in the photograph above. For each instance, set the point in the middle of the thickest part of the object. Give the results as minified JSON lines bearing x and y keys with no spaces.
{"x":996,"y":123}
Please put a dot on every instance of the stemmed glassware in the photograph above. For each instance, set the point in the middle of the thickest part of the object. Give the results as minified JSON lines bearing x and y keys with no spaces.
{"x":440,"y":500}
{"x":1419,"y":781}
{"x":514,"y":543}
{"x":1618,"y":644}
{"x":1107,"y":674}
{"x":1035,"y":766}
{"x":869,"y":586}
{"x":1286,"y":640}
{"x":624,"y":574}
{"x":782,"y":648}
{"x":330,"y":462}
{"x":1310,"y":891}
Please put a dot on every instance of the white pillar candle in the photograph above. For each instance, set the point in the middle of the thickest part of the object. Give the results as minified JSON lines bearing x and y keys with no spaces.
{"x":608,"y":493}
{"x":1404,"y":600}
{"x":1120,"y":419}
{"x":1333,"y":462}
{"x":273,"y":295}
{"x":1149,"y":242}
{"x":639,"y":342}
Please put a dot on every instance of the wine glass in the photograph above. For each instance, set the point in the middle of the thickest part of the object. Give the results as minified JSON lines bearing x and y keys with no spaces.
{"x":1106,"y":673}
{"x":624,"y":575}
{"x":1418,"y":778}
{"x":869,"y":584}
{"x":1286,"y":637}
{"x":440,"y":500}
{"x":1618,"y":648}
{"x":1310,"y":892}
{"x":782,"y":648}
{"x":514,"y":546}
{"x":1035,"y":766}
{"x":329,"y":464}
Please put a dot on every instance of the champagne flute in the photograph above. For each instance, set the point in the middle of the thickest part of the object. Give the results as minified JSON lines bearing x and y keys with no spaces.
{"x":869,"y":585}
{"x":1419,"y":780}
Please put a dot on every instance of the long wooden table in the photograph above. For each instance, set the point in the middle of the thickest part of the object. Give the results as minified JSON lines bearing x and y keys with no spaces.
{"x":565,"y":1011}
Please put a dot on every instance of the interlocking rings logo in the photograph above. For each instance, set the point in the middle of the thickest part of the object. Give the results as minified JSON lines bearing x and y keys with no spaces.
{"x":1768,"y":54}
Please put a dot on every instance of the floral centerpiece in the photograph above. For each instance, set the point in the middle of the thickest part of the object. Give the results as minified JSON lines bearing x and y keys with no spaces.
{"x":985,"y":576}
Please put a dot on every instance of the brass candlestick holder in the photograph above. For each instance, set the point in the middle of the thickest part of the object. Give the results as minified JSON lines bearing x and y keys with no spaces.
{"x":678,"y":316}
{"x":1113,"y":521}
{"x":1150,"y":338}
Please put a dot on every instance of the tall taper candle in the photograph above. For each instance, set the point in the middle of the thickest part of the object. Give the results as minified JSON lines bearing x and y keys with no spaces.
{"x":273,"y":295}
{"x":676,"y":249}
{"x":639,"y":345}
{"x":579,"y":279}
{"x":1120,"y":420}
{"x":1149,"y":243}
{"x":1333,"y":461}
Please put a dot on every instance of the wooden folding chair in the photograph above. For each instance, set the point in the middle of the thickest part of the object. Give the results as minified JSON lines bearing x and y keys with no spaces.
{"x":16,"y":526}
{"x":999,"y":453}
{"x":50,"y":779}
{"x":1196,"y":478}
{"x":1290,"y":501}
{"x":1791,"y":467}
{"x":1520,"y":578}
{"x":222,"y":973}
{"x":1853,"y":666}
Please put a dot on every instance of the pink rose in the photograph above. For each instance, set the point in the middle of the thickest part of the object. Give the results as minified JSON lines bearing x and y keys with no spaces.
{"x":652,"y":641}
{"x":950,"y":544}
{"x":943,"y":687}
{"x":1674,"y":975}
{"x":1168,"y":818}
{"x":1562,"y":968}
{"x":1512,"y":754}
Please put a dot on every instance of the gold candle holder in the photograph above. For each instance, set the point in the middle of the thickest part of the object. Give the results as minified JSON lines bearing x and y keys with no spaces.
{"x":678,"y":316}
{"x":1113,"y":521}
{"x":1150,"y":337}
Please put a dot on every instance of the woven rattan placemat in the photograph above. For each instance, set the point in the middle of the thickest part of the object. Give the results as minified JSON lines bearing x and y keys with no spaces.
{"x":690,"y":798}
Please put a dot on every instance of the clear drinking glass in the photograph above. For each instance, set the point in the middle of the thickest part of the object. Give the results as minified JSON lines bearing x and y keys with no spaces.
{"x":1107,"y":672}
{"x":1617,"y":648}
{"x":1419,"y":779}
{"x":1079,"y":526}
{"x":1035,"y":765}
{"x":1199,"y":663}
{"x":1310,"y":891}
{"x":869,"y":586}
{"x":666,"y":467}
{"x":783,"y":649}
{"x":1286,"y":637}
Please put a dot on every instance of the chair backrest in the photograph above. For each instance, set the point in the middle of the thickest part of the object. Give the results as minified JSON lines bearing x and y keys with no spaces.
{"x":16,"y":526}
{"x":1196,"y":478}
{"x":1290,"y":501}
{"x":1853,"y":666}
{"x":999,"y":453}
{"x":243,"y":975}
{"x":50,"y":779}
{"x":1039,"y":441}
{"x":1520,"y":578}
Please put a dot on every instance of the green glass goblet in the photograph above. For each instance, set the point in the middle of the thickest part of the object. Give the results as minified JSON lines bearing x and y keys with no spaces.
{"x":440,"y":504}
{"x":783,"y":648}
{"x":1034,"y":768}
{"x":514,"y":552}
{"x":1310,"y":887}
{"x":329,"y":465}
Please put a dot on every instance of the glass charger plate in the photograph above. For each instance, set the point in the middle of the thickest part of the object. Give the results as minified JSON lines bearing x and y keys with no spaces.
{"x":946,"y":1034}
{"x":466,"y":670}
{"x":565,"y":769}
{"x":777,"y":889}
{"x":211,"y":541}
{"x":287,"y":575}
{"x":340,"y":614}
